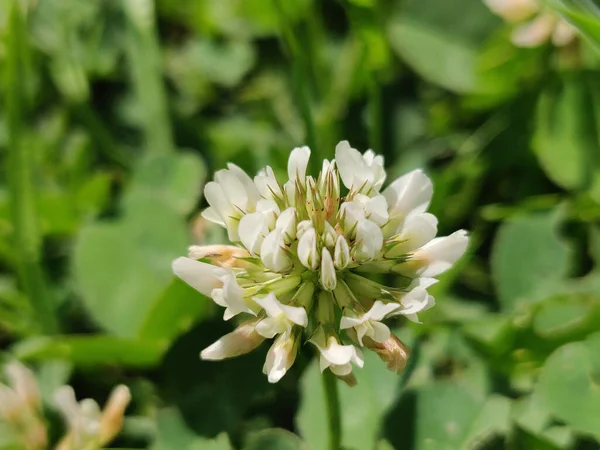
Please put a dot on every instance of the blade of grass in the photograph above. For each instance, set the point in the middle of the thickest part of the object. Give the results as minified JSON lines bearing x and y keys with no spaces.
{"x":143,"y":54}
{"x":21,"y":167}
{"x":300,"y":67}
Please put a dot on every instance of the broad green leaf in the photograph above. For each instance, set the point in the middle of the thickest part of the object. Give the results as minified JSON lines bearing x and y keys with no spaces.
{"x":274,"y":439}
{"x":173,"y":313}
{"x":534,"y":421}
{"x":568,"y":385}
{"x":363,"y":406}
{"x":173,"y":434}
{"x":496,"y":332}
{"x":529,"y":260}
{"x":567,"y":316}
{"x":123,"y":267}
{"x":90,"y":350}
{"x":450,"y":418}
{"x":565,"y":138}
{"x":174,"y":179}
{"x":440,"y":42}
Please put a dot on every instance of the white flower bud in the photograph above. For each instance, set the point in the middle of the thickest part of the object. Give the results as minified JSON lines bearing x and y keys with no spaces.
{"x":253,"y":229}
{"x":286,"y":222}
{"x":328,"y":276}
{"x":369,"y":240}
{"x":273,"y":253}
{"x":297,"y":163}
{"x":280,"y":357}
{"x":307,"y":249}
{"x":341,"y":254}
{"x":281,"y":318}
{"x":329,"y":235}
{"x":240,"y":341}
{"x":268,"y":185}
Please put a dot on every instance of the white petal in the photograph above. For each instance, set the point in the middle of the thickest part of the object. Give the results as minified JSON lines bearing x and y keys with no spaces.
{"x":513,"y":10}
{"x":213,"y":216}
{"x":441,"y":253}
{"x":337,"y":354}
{"x":411,"y":193}
{"x":231,"y":294}
{"x":233,"y":189}
{"x":303,"y":227}
{"x":369,"y":239}
{"x":341,"y":253}
{"x":267,"y":184}
{"x":286,"y":222}
{"x":197,"y":274}
{"x":351,"y":322}
{"x":534,"y":33}
{"x":349,"y":163}
{"x":249,"y":187}
{"x":297,"y":164}
{"x":358,"y":357}
{"x":273,"y":253}
{"x":307,"y":249}
{"x":341,"y":370}
{"x":280,"y":358}
{"x":252,"y":230}
{"x":296,"y":314}
{"x":376,"y":209}
{"x":563,"y":34}
{"x":270,"y":304}
{"x":271,"y":326}
{"x":352,"y":213}
{"x":380,"y":310}
{"x":381,"y":332}
{"x":328,"y":275}
{"x":269,"y":209}
{"x":215,"y":196}
{"x":240,"y":341}
{"x":417,"y":231}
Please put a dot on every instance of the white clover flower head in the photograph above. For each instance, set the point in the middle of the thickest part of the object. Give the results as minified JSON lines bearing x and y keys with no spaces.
{"x":21,"y":406}
{"x":533,"y":24}
{"x":88,"y":426}
{"x":306,"y":247}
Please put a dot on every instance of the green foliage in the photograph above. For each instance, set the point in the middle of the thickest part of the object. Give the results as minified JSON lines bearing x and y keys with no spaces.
{"x":114,"y":115}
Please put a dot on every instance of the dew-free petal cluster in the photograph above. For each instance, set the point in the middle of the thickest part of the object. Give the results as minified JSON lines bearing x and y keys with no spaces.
{"x":307,"y":247}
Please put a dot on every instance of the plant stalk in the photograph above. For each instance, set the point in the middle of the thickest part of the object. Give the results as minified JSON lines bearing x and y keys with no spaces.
{"x":332,"y":399}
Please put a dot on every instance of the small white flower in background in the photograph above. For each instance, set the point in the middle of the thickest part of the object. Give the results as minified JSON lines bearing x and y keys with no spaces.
{"x":21,"y":407}
{"x":303,"y":248}
{"x":89,"y":427}
{"x":534,"y":25}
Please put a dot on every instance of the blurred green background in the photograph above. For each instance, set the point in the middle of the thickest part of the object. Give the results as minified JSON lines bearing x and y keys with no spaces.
{"x":115,"y":112}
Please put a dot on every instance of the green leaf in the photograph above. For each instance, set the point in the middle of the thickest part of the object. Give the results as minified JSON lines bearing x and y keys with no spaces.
{"x":529,"y":260}
{"x":450,"y":418}
{"x":173,"y":434}
{"x":90,"y":350}
{"x":567,"y":316}
{"x":363,"y":406}
{"x":123,"y":267}
{"x":495,"y":331}
{"x":568,"y":385}
{"x":565,"y":138}
{"x":176,"y":180}
{"x":173,"y":313}
{"x":274,"y":439}
{"x":437,"y":40}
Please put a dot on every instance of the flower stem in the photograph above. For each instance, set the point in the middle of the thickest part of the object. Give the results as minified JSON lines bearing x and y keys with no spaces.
{"x":333,"y":409}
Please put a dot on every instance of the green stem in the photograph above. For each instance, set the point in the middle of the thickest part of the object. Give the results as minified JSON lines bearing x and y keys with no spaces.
{"x":21,"y":170}
{"x":333,"y":409}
